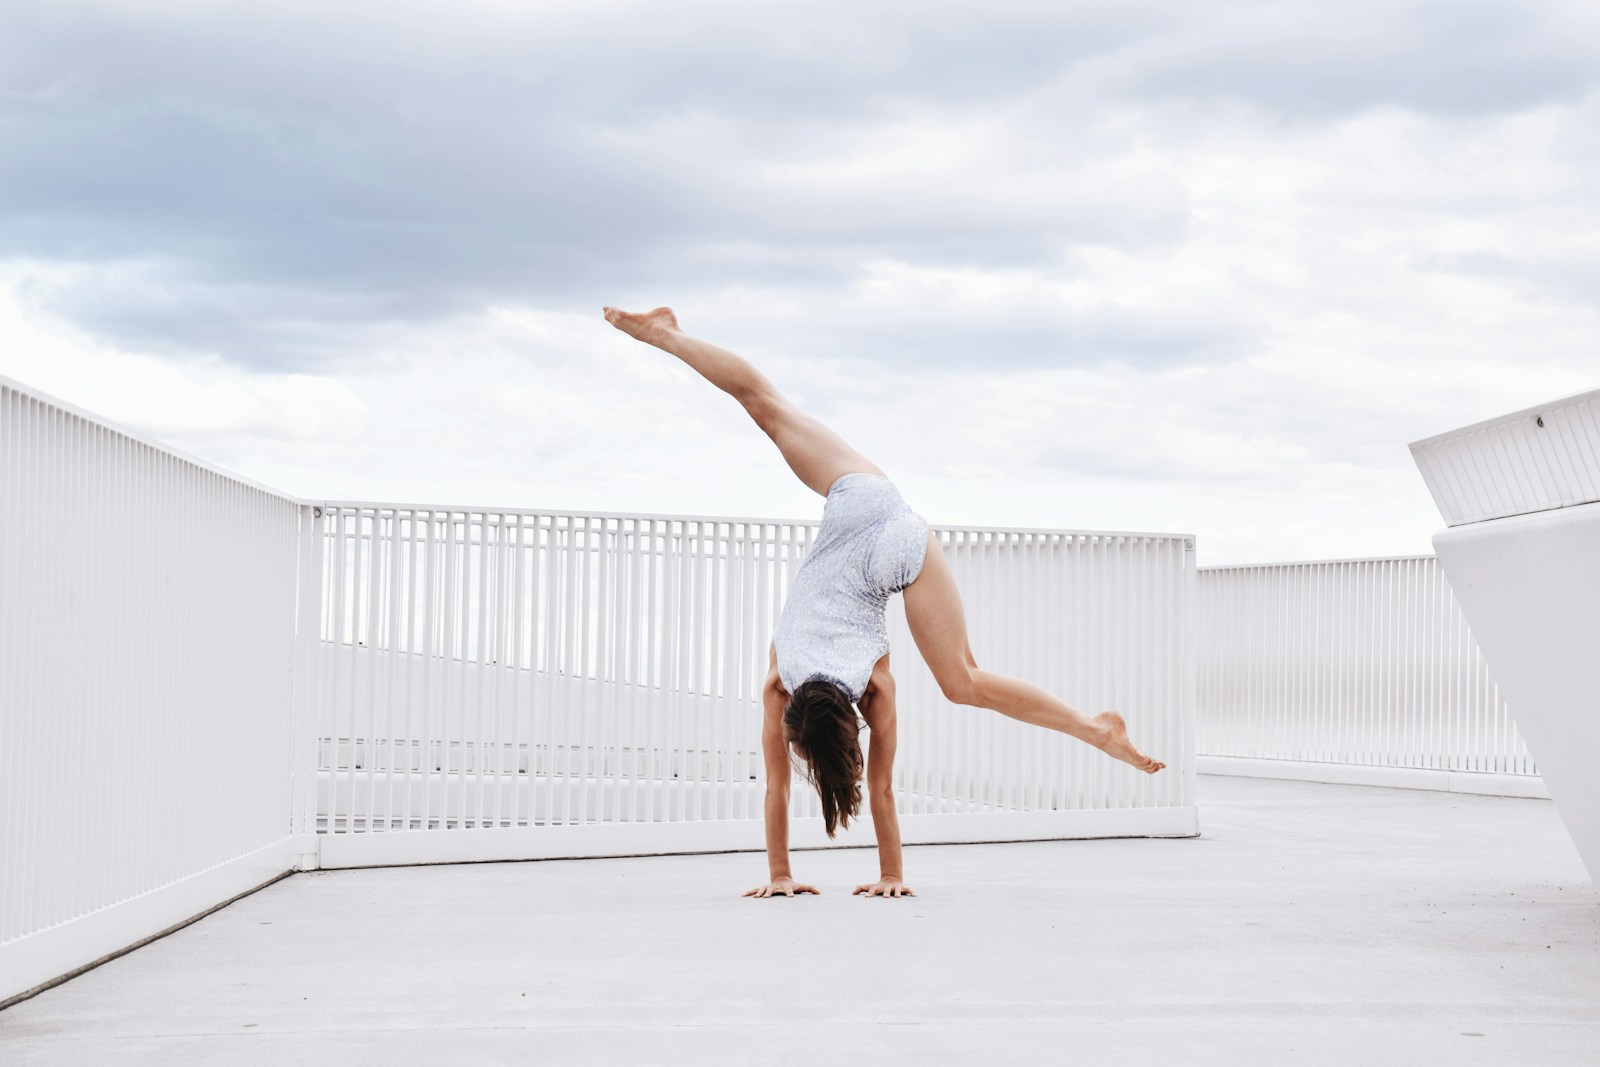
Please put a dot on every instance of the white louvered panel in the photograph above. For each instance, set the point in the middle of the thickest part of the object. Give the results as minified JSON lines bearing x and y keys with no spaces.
{"x":1535,"y":460}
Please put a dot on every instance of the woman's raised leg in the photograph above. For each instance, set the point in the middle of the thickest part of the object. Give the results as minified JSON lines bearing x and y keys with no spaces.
{"x":939,"y":626}
{"x":816,"y":454}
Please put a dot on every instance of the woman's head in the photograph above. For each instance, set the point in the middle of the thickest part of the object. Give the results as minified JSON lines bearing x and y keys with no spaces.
{"x":821,"y":725}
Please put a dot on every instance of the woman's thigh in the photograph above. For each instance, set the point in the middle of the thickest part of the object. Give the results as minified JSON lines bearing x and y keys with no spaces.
{"x":938,"y":621}
{"x":817,"y":455}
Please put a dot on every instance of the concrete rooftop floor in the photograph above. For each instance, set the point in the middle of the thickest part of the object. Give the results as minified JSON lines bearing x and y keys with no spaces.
{"x":1308,"y":924}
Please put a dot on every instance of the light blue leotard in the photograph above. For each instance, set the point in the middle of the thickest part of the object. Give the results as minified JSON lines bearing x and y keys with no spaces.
{"x":870,"y":545}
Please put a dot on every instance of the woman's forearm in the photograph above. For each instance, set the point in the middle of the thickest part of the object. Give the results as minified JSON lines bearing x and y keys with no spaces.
{"x":777,"y":812}
{"x":886,"y":823}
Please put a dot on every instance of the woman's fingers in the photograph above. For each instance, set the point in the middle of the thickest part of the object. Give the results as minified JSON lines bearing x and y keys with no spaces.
{"x":873,"y":889}
{"x":788,"y":889}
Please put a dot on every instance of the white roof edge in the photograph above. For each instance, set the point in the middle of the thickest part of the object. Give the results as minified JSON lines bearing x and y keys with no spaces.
{"x":1537,"y":459}
{"x":1536,"y":410}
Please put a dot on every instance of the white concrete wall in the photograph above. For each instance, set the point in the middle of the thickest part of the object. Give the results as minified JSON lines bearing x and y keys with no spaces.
{"x":1530,"y":586}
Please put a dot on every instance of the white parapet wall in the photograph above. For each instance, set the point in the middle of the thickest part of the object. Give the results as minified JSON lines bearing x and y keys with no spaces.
{"x":1522,"y":498}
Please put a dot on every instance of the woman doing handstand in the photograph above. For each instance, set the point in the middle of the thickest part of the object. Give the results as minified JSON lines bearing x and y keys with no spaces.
{"x":831,"y":646}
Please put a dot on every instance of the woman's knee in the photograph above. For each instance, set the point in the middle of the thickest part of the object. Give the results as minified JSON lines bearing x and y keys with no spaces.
{"x":764,"y":404}
{"x":960,"y":686}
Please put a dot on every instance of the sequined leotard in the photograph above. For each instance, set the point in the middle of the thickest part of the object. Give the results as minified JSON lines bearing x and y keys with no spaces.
{"x":870,"y":544}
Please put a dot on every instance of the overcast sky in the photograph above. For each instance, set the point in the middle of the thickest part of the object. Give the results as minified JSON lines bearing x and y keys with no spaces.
{"x":1186,"y":266}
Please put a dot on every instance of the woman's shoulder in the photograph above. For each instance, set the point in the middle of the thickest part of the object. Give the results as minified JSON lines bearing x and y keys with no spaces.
{"x":881,"y":680}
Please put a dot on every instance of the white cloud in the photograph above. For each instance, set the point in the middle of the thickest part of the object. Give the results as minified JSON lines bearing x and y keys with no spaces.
{"x":193,"y":402}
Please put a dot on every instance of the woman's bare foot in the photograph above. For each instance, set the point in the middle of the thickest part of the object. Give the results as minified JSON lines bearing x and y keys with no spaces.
{"x":1114,"y":742}
{"x":644,"y":326}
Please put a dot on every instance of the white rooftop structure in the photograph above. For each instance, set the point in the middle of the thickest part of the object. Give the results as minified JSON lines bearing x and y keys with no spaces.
{"x":1521,"y":495}
{"x":212,"y":691}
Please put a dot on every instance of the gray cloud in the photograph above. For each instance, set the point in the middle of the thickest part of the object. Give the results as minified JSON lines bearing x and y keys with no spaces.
{"x":276,"y":186}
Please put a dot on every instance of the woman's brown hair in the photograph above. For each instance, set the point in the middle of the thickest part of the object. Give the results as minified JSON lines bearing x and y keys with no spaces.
{"x":821,"y":724}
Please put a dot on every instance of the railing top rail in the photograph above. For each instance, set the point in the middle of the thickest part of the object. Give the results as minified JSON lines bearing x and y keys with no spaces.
{"x":1311,"y":562}
{"x":734,"y":519}
{"x":142,"y":438}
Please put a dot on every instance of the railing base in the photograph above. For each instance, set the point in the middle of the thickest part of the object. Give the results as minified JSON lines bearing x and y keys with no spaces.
{"x":407,"y":847}
{"x":1480,"y":782}
{"x":48,"y":957}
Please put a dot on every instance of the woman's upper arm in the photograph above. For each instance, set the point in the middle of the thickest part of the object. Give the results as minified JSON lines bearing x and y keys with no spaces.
{"x":880,"y":712}
{"x":774,"y":747}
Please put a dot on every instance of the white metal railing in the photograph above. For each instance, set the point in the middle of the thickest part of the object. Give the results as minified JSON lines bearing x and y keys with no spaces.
{"x":146,"y":637}
{"x":507,"y":669}
{"x":1364,"y":662}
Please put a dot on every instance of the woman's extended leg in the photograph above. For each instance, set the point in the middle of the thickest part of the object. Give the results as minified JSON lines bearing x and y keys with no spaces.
{"x":939,"y":626}
{"x":816,"y":454}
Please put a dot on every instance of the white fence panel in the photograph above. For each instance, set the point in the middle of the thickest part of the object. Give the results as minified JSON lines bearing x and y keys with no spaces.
{"x":146,"y":641}
{"x":1365,"y":662}
{"x":504,"y":670}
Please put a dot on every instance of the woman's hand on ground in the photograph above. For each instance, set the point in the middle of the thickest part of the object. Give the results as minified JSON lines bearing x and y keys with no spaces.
{"x":786,"y":887}
{"x":885,"y":887}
